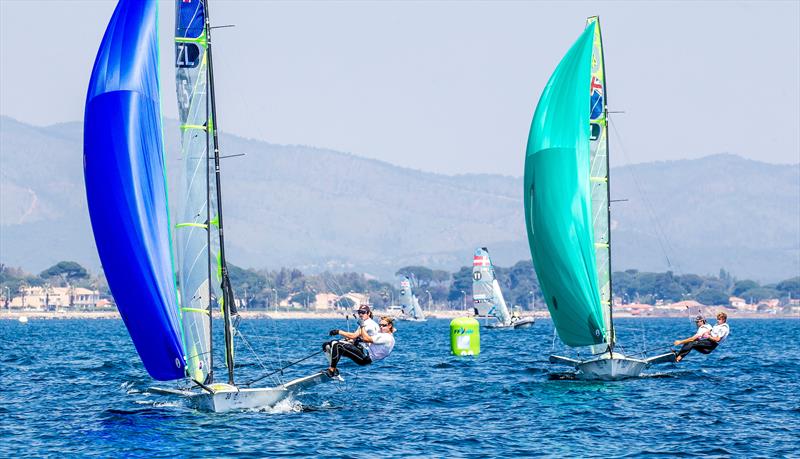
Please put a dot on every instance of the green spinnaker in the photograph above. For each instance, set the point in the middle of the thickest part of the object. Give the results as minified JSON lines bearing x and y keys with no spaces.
{"x":558,"y":201}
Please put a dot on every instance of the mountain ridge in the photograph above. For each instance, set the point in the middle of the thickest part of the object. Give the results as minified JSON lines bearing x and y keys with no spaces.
{"x":316,"y":209}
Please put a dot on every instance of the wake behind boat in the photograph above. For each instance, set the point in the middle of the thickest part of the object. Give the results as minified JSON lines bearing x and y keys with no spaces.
{"x":567,"y":210}
{"x":170,"y":325}
{"x":487,"y":297}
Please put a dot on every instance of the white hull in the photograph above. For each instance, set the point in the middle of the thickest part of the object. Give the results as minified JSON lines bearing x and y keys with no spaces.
{"x":233,"y":398}
{"x":410,"y":319}
{"x":605,"y":367}
{"x":525,"y":322}
{"x":226,"y":397}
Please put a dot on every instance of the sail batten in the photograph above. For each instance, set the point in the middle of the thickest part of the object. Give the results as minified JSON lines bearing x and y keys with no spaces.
{"x":193,"y":240}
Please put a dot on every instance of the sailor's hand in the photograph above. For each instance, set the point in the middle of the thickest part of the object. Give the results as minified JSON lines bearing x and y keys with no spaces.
{"x":333,"y":332}
{"x":676,"y":343}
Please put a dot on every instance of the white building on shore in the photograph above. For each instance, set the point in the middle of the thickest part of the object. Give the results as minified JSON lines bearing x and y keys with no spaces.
{"x":55,"y":298}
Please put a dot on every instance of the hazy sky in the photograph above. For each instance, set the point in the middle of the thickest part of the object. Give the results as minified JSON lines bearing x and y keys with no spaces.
{"x":447,"y":87}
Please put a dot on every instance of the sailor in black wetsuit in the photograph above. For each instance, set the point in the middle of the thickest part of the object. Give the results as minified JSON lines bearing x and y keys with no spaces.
{"x":366,"y":348}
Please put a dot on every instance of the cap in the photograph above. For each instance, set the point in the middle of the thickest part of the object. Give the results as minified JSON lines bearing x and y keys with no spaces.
{"x":699,"y":317}
{"x":363,"y":308}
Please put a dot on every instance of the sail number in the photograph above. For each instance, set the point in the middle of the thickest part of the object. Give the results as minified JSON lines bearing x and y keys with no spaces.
{"x":187,"y":55}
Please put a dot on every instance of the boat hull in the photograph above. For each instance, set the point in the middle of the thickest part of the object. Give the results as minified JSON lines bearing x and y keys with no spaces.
{"x":610,"y":368}
{"x":525,"y":322}
{"x":238,"y":399}
{"x":226,"y":397}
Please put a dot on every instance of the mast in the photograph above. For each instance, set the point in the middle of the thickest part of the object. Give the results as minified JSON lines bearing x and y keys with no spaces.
{"x":208,"y":225}
{"x":612,"y":335}
{"x":227,"y":294}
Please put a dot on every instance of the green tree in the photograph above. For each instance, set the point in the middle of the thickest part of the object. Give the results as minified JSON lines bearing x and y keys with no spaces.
{"x":760,"y":293}
{"x":67,"y":270}
{"x":712,"y":297}
{"x":790,"y":287}
{"x":304,"y":298}
{"x":420,"y":275}
{"x":345,"y":303}
{"x":744,"y":285}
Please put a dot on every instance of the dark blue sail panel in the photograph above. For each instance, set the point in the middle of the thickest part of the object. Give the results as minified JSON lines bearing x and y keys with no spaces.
{"x":191,"y":18}
{"x":126,"y":189}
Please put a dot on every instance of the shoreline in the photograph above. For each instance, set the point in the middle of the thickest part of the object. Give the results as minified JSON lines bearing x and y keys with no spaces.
{"x":303,"y":315}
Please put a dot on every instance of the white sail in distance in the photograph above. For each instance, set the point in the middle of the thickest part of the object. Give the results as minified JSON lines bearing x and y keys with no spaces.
{"x":487,"y":297}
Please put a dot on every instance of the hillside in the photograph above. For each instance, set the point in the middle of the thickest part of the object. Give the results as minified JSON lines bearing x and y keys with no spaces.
{"x":289,"y":205}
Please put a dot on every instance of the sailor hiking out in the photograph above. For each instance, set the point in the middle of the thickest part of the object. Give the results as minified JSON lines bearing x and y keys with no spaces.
{"x":360,"y":346}
{"x":706,"y":339}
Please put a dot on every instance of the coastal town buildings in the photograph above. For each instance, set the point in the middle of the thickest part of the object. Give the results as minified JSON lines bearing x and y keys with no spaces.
{"x":45,"y":298}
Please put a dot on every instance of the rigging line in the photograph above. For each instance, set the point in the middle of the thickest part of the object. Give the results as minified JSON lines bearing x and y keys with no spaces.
{"x":280,"y":370}
{"x":258,"y":359}
{"x":671,"y":348}
{"x":661,"y":237}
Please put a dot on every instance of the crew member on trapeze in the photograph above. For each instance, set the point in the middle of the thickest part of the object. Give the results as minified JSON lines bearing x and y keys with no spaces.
{"x":362,"y":348}
{"x":706,"y":339}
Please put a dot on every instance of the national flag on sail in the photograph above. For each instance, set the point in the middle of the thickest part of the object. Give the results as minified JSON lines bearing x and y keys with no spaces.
{"x":597,"y":86}
{"x":480,"y":260}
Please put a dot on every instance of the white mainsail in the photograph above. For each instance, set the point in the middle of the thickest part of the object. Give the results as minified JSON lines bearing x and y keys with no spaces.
{"x":486,"y":294}
{"x":409,"y":302}
{"x":195,"y":232}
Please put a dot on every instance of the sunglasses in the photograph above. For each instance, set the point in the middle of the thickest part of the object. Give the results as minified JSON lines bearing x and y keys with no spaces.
{"x":362,"y":312}
{"x":384,"y":325}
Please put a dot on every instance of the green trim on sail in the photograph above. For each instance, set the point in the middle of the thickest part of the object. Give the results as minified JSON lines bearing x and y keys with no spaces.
{"x":200,"y":311}
{"x":558,"y":210}
{"x":178,"y":313}
{"x":598,"y":154}
{"x":193,"y":225}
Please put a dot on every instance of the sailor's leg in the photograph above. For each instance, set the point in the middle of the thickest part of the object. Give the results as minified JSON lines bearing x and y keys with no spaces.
{"x":355,"y":353}
{"x":705,"y":346}
{"x":685,"y":350}
{"x":335,"y":352}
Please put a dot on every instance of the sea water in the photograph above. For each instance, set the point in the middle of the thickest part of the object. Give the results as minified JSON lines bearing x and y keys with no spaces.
{"x":76,"y":388}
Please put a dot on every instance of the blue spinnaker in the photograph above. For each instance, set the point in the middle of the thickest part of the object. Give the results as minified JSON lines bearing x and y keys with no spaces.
{"x":126,"y":185}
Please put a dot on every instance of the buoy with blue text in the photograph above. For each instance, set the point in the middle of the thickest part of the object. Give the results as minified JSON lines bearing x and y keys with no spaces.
{"x":465,"y":336}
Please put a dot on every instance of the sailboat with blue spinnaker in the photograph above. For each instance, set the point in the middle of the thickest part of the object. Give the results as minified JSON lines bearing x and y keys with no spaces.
{"x":167,"y":303}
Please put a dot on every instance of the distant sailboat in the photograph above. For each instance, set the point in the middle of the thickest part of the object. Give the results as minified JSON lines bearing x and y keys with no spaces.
{"x":487,"y":297}
{"x":409,"y":304}
{"x":125,"y":175}
{"x":567,"y":209}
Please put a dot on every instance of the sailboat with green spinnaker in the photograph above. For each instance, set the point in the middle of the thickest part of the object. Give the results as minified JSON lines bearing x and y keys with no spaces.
{"x":567,"y":211}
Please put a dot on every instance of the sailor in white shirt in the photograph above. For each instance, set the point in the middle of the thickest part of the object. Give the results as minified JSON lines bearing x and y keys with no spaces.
{"x":703,"y":331}
{"x":377,"y":346}
{"x":708,"y":341}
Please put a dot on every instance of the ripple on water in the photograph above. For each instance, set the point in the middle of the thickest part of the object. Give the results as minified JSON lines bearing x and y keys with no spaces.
{"x":89,"y":398}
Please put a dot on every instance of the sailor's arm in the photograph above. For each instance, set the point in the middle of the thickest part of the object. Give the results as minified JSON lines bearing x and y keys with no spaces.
{"x":364,"y":335}
{"x":684,"y":341}
{"x":715,"y":338}
{"x":351,"y":335}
